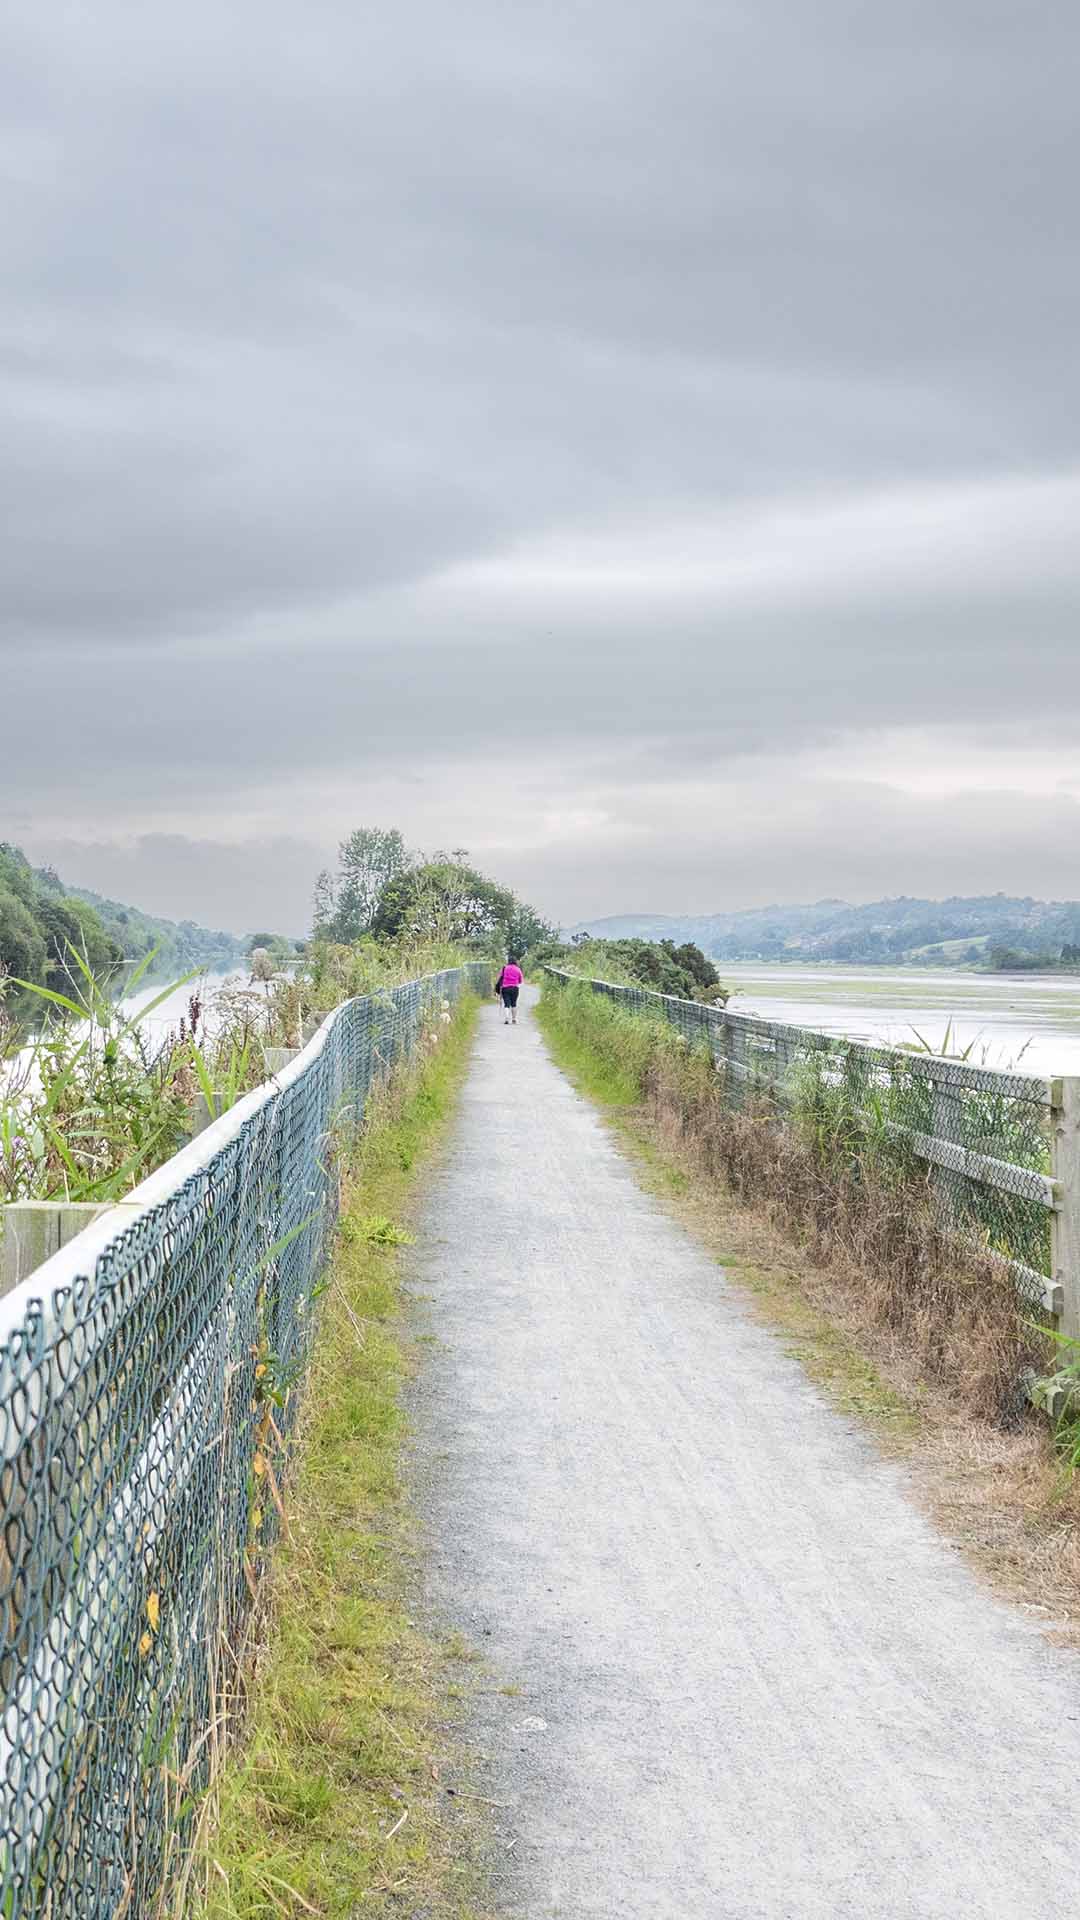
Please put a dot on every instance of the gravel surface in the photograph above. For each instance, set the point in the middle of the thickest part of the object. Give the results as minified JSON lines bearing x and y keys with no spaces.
{"x":753,"y":1680}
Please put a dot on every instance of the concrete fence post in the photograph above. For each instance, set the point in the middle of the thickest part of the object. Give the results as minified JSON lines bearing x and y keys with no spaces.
{"x":31,"y":1231}
{"x":277,"y":1058}
{"x":202,"y":1112}
{"x":1065,"y":1219}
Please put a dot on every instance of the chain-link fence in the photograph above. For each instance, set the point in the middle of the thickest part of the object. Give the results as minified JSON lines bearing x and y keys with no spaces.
{"x":147,"y":1394}
{"x":981,"y":1139}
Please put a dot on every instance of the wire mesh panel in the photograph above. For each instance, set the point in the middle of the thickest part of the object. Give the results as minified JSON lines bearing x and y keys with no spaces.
{"x":145,"y":1413}
{"x":980,"y":1137}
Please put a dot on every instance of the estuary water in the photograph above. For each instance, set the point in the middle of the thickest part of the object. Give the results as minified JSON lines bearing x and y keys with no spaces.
{"x":1030,"y":1021}
{"x":156,"y":1025}
{"x":173,"y":1009}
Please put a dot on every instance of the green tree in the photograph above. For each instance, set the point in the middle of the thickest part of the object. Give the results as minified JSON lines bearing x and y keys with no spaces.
{"x":525,"y":930}
{"x":69,"y":923}
{"x":23,"y":947}
{"x":443,"y":900}
{"x":324,"y":906}
{"x":278,"y":945}
{"x":40,"y":924}
{"x":368,"y":861}
{"x":657,"y":964}
{"x":693,"y":963}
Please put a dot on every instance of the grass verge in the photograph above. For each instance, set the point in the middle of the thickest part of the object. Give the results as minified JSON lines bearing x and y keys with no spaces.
{"x":999,"y":1494}
{"x":332,"y":1804}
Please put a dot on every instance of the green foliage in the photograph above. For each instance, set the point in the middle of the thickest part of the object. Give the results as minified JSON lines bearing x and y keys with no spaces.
{"x":384,"y":892}
{"x":1058,"y":1395}
{"x":178,"y":946}
{"x":330,"y":971}
{"x":42,"y":922}
{"x":281,"y":949}
{"x":609,"y":1049}
{"x":949,"y":1048}
{"x":1013,"y":960}
{"x":72,"y":923}
{"x":659,"y":965}
{"x":92,"y":1104}
{"x":368,"y":861}
{"x":40,"y":927}
{"x":23,"y":946}
{"x":330,"y":1803}
{"x":448,"y":900}
{"x":381,"y":1232}
{"x":444,"y":900}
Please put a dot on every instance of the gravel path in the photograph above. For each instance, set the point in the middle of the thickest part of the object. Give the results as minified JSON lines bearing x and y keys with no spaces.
{"x":754,"y":1682}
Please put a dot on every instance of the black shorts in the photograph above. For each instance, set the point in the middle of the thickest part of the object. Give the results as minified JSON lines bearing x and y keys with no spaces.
{"x":509,"y":996}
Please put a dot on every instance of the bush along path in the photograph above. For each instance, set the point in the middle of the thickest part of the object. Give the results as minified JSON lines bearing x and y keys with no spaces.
{"x":334,"y":1801}
{"x":733,"y":1669}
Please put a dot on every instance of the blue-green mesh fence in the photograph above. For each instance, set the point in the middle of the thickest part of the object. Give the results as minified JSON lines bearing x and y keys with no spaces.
{"x":145,"y":1414}
{"x":977,"y":1137}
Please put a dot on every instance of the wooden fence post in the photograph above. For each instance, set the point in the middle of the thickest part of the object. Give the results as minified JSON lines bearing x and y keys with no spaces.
{"x":736,"y":1067}
{"x":781,"y":1068}
{"x":1065,"y":1219}
{"x":947,"y":1124}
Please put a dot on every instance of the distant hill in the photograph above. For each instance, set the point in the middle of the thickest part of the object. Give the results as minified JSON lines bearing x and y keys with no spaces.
{"x":41,"y":920}
{"x":182,"y":943}
{"x":954,"y":932}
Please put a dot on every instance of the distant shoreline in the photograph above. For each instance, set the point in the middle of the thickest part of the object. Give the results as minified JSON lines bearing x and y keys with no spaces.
{"x":901,"y":966}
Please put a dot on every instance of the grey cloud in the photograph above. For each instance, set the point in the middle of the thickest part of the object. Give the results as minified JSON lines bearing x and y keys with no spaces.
{"x":802,"y":840}
{"x":696,"y":680}
{"x":390,"y":291}
{"x":264,"y":884}
{"x":790,"y":838}
{"x":302,"y":311}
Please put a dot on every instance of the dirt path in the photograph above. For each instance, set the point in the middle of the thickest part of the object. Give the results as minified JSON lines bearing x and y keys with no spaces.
{"x":753,"y":1682}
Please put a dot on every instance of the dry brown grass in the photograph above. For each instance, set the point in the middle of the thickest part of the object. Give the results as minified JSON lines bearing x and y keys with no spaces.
{"x":956,"y":1313}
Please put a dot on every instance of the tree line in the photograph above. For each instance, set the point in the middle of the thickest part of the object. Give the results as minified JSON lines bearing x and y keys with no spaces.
{"x":40,"y":923}
{"x":383,"y":891}
{"x":41,"y":920}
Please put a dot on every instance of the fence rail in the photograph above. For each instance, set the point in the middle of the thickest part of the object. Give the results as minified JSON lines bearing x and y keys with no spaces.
{"x":148,"y":1377}
{"x":1002,"y":1148}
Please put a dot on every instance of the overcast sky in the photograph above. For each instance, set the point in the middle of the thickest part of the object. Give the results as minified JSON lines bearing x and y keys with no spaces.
{"x":637,"y":440}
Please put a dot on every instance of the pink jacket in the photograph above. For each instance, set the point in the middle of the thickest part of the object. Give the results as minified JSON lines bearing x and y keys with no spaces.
{"x":510,"y":976}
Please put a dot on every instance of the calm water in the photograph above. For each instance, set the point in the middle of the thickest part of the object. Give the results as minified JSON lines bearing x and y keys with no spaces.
{"x":165,"y":1017}
{"x":174,"y":1008}
{"x":1030,"y":1021}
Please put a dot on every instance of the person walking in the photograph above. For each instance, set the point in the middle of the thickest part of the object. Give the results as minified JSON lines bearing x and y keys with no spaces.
{"x":507,"y":987}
